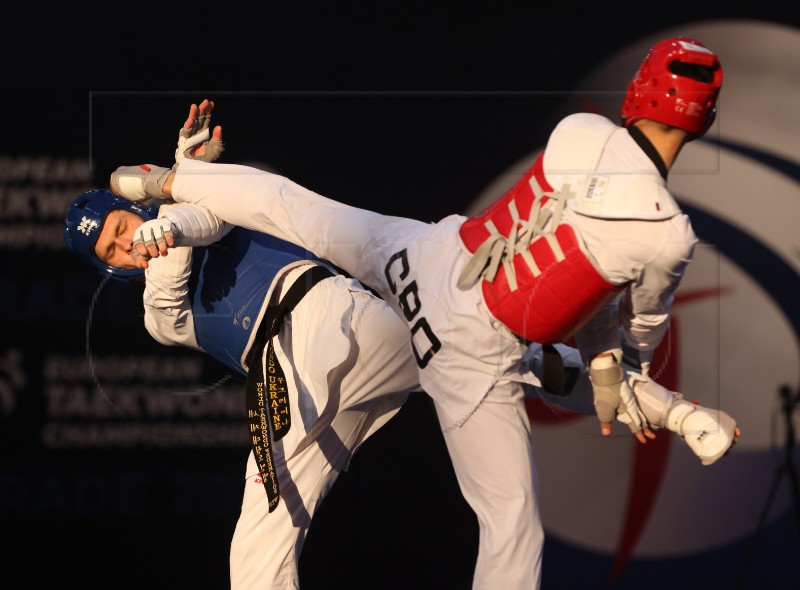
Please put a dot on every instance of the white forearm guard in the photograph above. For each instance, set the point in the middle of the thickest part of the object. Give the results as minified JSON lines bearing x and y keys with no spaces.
{"x":194,"y":225}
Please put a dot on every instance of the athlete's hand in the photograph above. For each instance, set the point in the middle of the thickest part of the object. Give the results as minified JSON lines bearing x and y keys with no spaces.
{"x":152,"y":239}
{"x":193,"y":138}
{"x":613,"y":396}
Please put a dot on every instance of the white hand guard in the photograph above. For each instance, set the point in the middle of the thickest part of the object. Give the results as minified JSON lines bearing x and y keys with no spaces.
{"x":153,"y":232}
{"x":142,"y":183}
{"x":613,"y":397}
{"x":188,"y":139}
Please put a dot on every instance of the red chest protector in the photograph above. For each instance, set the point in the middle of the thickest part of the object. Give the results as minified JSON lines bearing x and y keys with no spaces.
{"x":542,"y":285}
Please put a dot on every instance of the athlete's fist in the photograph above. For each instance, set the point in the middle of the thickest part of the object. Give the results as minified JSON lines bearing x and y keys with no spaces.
{"x":152,"y":239}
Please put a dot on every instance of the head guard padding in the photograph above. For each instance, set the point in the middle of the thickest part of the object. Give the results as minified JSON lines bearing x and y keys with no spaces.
{"x":677,"y":84}
{"x":84,"y":220}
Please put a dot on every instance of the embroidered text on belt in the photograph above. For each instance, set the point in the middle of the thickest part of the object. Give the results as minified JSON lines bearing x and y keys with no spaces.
{"x":267,"y":398}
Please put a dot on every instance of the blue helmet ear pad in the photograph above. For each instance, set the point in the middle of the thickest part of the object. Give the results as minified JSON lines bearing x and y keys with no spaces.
{"x":84,"y":220}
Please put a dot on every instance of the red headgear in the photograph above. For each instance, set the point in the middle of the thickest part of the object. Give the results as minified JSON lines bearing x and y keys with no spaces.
{"x":670,"y":87}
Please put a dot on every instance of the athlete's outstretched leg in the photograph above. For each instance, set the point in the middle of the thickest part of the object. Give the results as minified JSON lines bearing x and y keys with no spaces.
{"x":347,"y":236}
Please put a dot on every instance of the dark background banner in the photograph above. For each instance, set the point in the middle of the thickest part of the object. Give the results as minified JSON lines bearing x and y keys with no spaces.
{"x":122,"y":460}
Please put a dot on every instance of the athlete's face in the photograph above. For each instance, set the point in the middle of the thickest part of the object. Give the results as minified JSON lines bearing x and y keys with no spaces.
{"x":115,"y":242}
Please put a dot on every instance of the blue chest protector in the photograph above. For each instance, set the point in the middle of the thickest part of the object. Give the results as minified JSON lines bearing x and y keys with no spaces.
{"x":227,"y":287}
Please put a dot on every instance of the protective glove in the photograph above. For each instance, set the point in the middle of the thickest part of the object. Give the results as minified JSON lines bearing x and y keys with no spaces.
{"x":156,"y":235}
{"x":199,"y":133}
{"x":612,"y":393}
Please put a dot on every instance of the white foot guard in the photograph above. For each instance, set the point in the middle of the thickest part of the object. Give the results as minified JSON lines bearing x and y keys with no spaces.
{"x":709,"y":433}
{"x":141,"y":183}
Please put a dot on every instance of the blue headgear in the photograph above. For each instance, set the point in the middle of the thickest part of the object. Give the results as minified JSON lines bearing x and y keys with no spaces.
{"x":84,"y":220}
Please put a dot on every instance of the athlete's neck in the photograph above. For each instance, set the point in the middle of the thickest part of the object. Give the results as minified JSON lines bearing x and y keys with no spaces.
{"x":664,"y":141}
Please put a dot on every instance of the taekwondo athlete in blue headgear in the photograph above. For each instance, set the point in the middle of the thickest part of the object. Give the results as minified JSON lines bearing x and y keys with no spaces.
{"x":290,"y":323}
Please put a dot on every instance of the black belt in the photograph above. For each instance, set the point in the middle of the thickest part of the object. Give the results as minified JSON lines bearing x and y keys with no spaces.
{"x":267,"y":400}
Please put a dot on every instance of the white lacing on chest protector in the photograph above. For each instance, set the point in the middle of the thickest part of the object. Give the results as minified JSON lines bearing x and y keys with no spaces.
{"x":497,"y":249}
